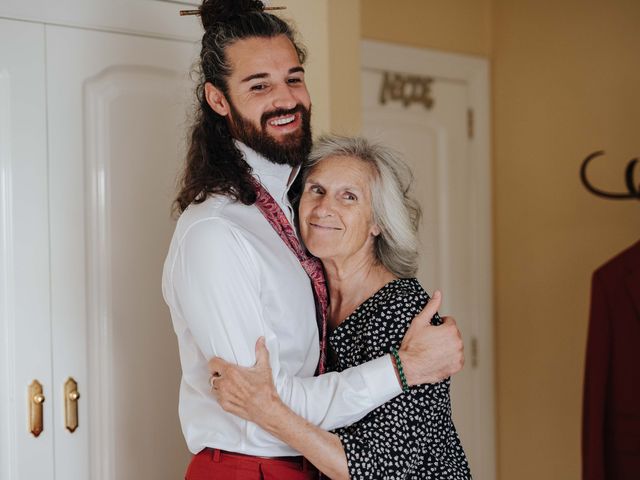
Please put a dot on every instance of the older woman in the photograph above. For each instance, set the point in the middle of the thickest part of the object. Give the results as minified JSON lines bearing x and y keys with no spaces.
{"x":355,"y":215}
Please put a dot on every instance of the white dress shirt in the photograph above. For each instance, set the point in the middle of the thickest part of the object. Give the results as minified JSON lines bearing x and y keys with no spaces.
{"x":229,"y":279}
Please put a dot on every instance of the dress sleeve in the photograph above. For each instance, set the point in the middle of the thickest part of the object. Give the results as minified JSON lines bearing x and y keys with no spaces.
{"x":215,"y":279}
{"x":389,"y":442}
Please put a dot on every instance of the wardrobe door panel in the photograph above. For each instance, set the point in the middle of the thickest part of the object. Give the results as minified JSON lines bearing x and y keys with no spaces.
{"x":117,"y":118}
{"x":25,"y":322}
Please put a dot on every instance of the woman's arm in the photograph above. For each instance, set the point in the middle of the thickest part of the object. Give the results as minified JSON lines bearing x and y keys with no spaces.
{"x":320,"y":447}
{"x":252,"y":396}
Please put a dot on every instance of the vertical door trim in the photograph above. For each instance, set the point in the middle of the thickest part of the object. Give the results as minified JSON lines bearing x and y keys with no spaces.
{"x":7,"y":295}
{"x":97,"y":96}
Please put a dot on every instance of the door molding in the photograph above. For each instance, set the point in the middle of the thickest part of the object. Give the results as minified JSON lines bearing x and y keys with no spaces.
{"x":474,"y":72}
{"x":150,"y":18}
{"x":7,"y":294}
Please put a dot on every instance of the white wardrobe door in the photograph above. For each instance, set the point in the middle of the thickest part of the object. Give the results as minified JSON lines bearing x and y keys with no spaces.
{"x":117,"y":116}
{"x":25,"y":322}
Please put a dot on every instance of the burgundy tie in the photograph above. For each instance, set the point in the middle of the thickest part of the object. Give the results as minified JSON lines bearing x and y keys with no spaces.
{"x":276,"y":217}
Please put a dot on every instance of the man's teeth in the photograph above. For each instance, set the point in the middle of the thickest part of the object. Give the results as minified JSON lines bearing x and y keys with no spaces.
{"x":282,"y":121}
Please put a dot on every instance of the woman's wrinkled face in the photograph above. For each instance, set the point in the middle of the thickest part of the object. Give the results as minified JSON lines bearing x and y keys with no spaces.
{"x":336,"y":215}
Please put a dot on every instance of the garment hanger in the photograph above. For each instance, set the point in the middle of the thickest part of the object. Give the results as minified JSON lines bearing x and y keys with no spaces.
{"x":633,"y":191}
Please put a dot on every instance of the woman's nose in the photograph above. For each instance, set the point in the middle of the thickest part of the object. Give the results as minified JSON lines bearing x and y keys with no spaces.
{"x":324,"y":206}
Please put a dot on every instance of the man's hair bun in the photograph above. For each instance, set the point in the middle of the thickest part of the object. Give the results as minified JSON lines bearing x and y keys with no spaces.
{"x":223,"y":11}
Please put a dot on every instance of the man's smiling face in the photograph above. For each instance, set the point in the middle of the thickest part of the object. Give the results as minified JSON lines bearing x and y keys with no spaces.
{"x":268,"y":105}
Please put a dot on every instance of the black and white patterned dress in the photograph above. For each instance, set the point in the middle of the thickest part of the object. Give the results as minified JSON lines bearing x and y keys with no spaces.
{"x":411,"y":436}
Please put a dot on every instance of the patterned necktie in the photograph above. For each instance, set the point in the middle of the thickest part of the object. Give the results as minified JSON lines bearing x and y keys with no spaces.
{"x":276,"y":217}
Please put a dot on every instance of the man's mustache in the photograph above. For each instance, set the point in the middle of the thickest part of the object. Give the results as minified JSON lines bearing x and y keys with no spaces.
{"x":280,"y":112}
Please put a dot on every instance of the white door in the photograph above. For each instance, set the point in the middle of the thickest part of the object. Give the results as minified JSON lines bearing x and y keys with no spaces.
{"x":116,"y":115}
{"x":25,"y":322}
{"x":431,"y":107}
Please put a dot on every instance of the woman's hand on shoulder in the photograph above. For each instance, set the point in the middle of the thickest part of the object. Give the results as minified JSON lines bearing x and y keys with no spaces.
{"x":431,"y":353}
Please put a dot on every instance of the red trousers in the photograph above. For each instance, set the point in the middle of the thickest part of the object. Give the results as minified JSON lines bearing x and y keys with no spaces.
{"x":213,"y":464}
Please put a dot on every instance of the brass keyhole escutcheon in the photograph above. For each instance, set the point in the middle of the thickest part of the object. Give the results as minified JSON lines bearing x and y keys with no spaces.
{"x":71,"y":397}
{"x":36,"y":399}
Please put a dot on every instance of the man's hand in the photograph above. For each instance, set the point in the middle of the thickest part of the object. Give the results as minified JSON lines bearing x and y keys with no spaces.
{"x":431,"y":353}
{"x":248,"y":393}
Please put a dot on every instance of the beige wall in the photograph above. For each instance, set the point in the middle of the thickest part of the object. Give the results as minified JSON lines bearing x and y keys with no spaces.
{"x":565,"y":83}
{"x":452,"y":25}
{"x":566,"y":78}
{"x":345,"y":83}
{"x":330,"y":29}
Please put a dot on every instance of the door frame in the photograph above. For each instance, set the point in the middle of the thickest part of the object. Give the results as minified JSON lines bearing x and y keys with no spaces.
{"x":474,"y":72}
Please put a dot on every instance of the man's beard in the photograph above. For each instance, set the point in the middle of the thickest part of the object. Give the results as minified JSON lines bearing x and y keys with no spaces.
{"x":294,"y":147}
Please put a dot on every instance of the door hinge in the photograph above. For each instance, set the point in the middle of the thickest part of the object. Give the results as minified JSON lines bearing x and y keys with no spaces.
{"x":474,"y":352}
{"x":470,"y":122}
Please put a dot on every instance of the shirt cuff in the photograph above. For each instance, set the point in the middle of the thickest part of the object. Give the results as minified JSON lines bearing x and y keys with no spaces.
{"x":380,"y":378}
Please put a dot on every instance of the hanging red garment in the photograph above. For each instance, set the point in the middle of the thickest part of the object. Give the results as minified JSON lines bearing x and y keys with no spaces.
{"x":611,"y":404}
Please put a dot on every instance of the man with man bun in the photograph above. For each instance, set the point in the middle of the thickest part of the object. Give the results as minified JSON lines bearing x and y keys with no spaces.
{"x":236,"y":272}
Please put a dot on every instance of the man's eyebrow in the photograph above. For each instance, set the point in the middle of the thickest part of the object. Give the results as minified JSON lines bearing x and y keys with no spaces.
{"x":266,"y":75}
{"x":254,"y":76}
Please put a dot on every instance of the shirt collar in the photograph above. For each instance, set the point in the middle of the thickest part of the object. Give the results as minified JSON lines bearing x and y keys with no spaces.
{"x":276,"y":178}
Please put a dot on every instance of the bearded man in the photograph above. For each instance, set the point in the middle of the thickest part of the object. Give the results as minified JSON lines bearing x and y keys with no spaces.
{"x":235,"y":271}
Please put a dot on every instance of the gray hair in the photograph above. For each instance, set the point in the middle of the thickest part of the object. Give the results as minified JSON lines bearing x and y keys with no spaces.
{"x":395,"y":212}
